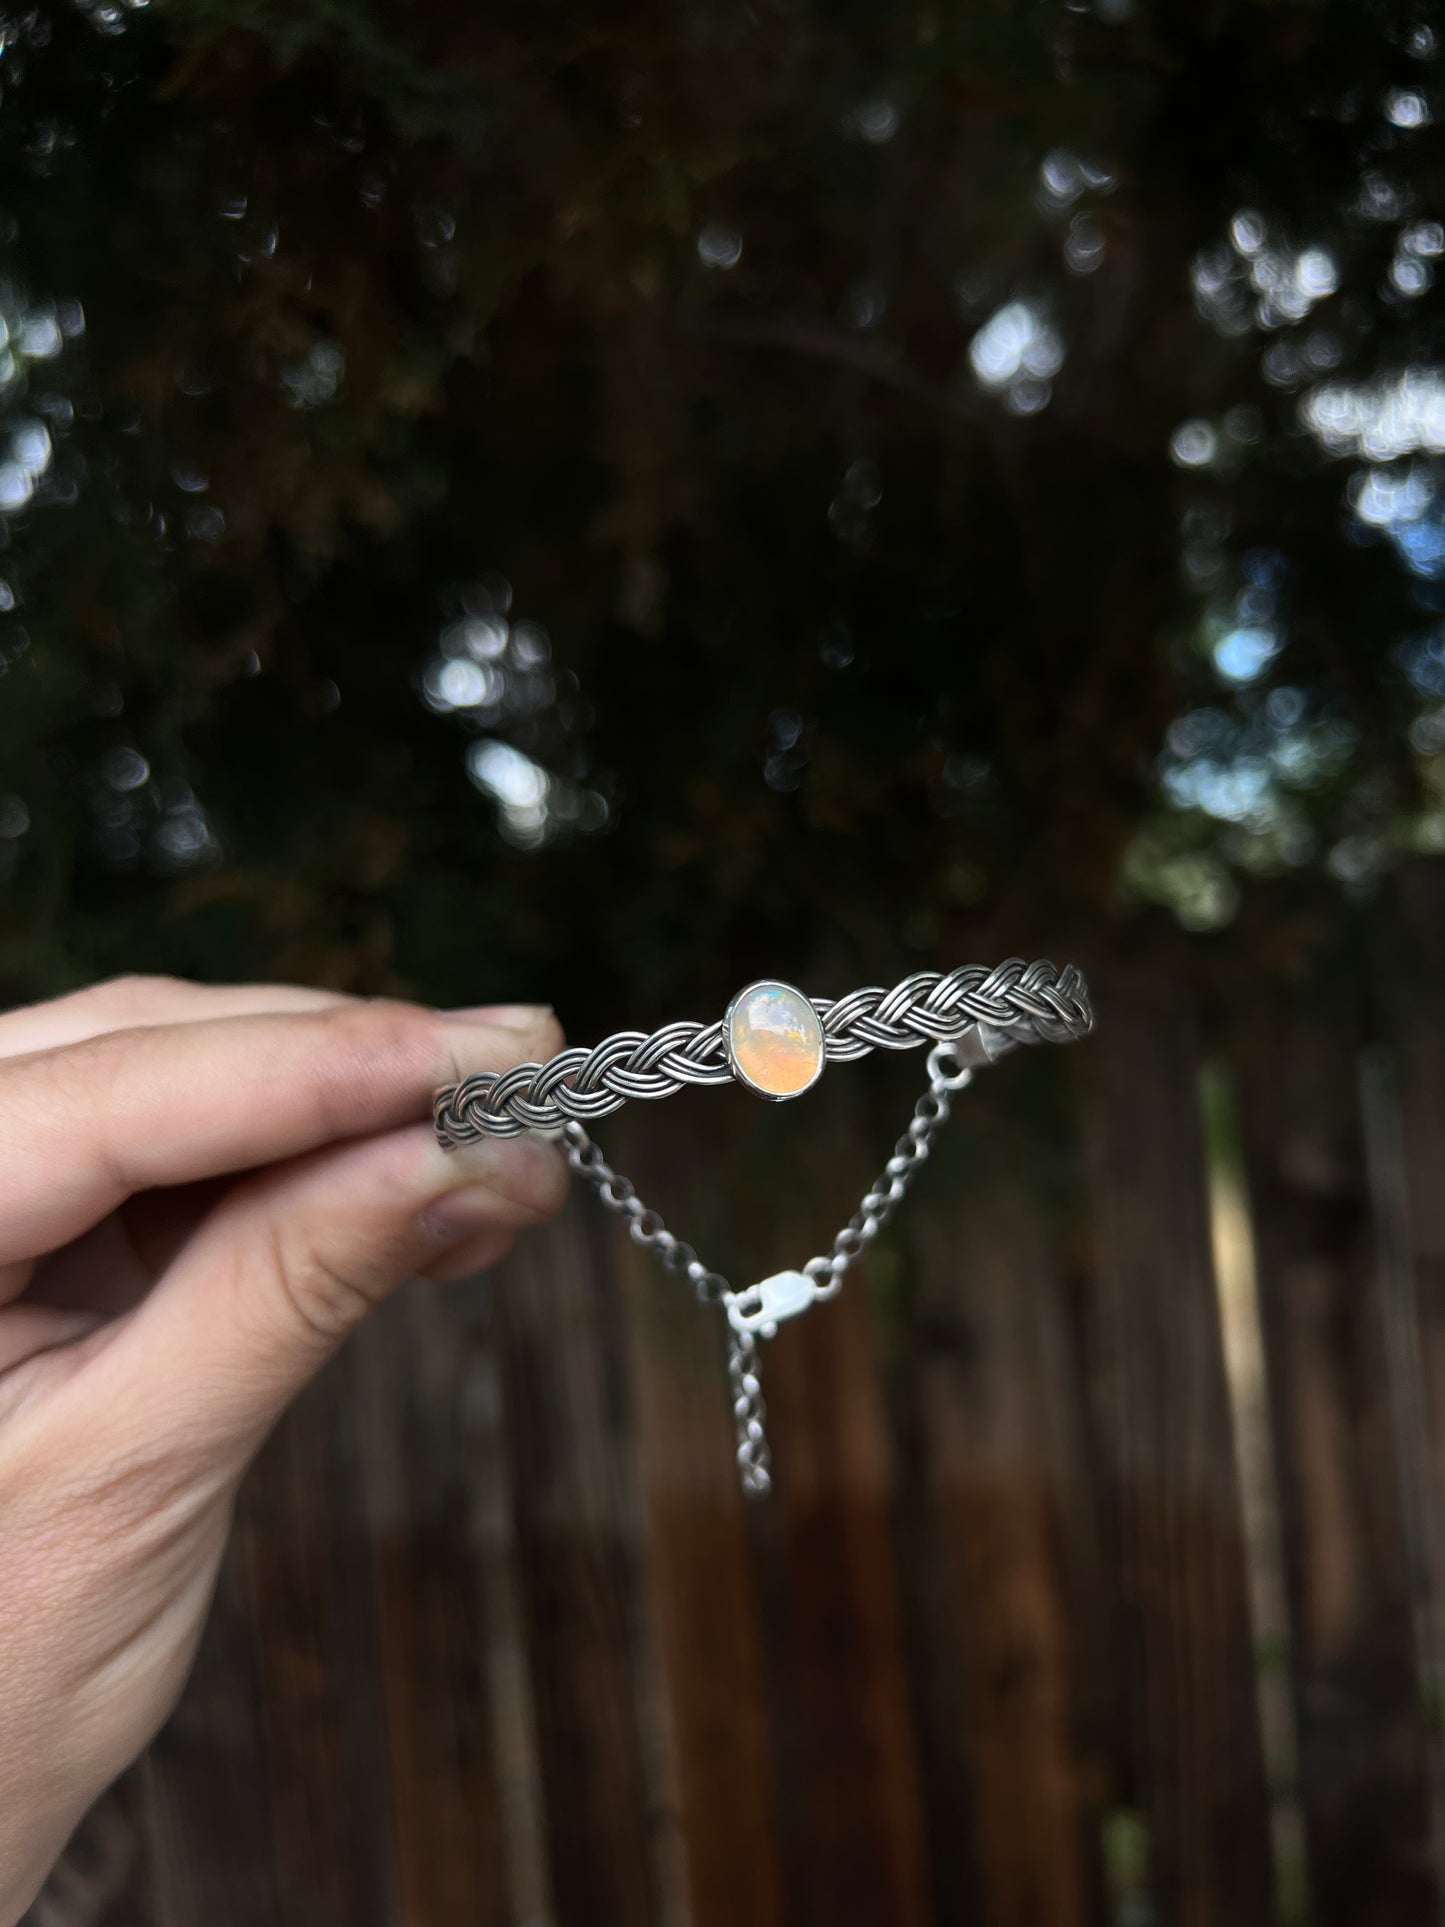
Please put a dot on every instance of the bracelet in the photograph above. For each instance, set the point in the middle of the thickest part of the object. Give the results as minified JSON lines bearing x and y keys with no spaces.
{"x":774,"y":1041}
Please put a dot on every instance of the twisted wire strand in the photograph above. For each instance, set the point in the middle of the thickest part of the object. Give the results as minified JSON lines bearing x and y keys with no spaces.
{"x":1022,"y":1003}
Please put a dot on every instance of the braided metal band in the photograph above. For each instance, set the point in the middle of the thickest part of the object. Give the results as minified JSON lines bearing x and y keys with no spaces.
{"x":1013,"y":1003}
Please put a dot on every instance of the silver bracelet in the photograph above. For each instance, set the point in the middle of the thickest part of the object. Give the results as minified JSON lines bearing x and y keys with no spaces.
{"x":776,"y":1042}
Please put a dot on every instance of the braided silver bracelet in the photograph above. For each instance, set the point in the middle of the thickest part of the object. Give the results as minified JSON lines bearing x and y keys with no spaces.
{"x":775,"y":1041}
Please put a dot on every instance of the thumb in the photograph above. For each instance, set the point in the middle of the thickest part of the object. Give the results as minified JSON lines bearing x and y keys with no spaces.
{"x":295,"y":1257}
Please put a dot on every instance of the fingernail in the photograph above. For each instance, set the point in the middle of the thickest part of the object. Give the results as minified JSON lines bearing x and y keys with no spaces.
{"x":495,"y":1185}
{"x":459,"y":1214}
{"x":518,"y":1017}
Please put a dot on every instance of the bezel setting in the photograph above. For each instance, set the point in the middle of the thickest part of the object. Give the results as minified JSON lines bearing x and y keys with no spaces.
{"x":738,"y":1071}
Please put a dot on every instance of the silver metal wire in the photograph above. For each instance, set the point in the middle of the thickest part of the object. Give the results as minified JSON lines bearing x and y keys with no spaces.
{"x":970,"y":1017}
{"x":749,"y":1313}
{"x":1012,"y":1003}
{"x":647,"y":1229}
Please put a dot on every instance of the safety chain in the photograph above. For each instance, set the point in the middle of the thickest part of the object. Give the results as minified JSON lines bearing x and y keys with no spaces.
{"x":756,"y":1312}
{"x":776,"y":1041}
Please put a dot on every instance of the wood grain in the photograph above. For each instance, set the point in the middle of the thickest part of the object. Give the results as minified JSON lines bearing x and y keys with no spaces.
{"x":1012,"y":1550}
{"x":700,"y":1567}
{"x":568,"y":1424}
{"x":1159,"y":1406}
{"x":838,"y":1670}
{"x":1360,"y":1733}
{"x":415,"y":1367}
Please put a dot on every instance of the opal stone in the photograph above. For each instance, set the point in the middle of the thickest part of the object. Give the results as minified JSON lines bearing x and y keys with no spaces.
{"x":774,"y":1039}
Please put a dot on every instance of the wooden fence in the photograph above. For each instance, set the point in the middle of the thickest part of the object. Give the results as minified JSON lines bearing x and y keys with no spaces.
{"x":1104,"y":1582}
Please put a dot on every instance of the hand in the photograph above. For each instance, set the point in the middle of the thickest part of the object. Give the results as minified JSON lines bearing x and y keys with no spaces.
{"x":202,"y":1191}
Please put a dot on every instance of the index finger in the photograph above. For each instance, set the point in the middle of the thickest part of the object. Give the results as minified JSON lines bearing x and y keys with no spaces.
{"x":127,"y":1003}
{"x":84,"y":1127}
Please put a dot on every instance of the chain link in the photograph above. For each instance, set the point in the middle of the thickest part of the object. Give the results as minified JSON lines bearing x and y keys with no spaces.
{"x":646,"y":1228}
{"x":750,"y":1415}
{"x":970,"y":1017}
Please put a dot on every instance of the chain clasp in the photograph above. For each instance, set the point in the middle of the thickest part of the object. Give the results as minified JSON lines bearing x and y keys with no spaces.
{"x":758,"y":1311}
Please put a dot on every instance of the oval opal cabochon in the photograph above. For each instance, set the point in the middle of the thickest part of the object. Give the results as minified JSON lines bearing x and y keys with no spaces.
{"x":774,"y":1039}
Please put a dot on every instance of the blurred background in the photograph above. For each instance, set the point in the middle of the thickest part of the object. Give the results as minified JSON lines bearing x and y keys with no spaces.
{"x":593,"y":505}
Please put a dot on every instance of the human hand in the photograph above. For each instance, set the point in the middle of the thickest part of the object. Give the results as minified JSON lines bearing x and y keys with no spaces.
{"x":202,"y":1191}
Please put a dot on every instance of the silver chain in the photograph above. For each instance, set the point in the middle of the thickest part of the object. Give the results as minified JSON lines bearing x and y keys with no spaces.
{"x":969,"y":1017}
{"x":756,"y":1311}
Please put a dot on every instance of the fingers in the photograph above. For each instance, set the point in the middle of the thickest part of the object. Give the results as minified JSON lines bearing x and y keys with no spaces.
{"x":295,"y":1257}
{"x":28,"y":1330}
{"x":113,"y":1267}
{"x":83,"y":1127}
{"x":122,"y":1003}
{"x":467,"y":1259}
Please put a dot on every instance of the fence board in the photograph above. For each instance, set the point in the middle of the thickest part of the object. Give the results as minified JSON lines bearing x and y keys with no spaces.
{"x":1161,"y":1413}
{"x":1008,"y":1544}
{"x":836,"y":1626}
{"x":413,"y":1368}
{"x":830,"y":1668}
{"x":577,"y":1559}
{"x":296,"y":1533}
{"x":1360,"y":1737}
{"x":1405,"y":1093}
{"x":700,"y":1568}
{"x":206,"y":1780}
{"x":103,"y":1879}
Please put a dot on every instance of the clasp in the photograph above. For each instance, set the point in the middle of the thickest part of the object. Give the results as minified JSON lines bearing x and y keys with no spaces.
{"x":758,"y":1311}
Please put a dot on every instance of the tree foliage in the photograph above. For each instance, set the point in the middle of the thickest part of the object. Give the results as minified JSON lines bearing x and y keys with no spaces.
{"x":547,"y":500}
